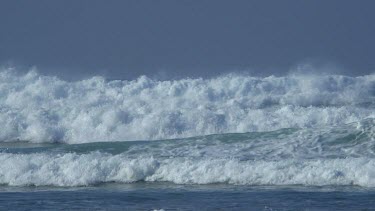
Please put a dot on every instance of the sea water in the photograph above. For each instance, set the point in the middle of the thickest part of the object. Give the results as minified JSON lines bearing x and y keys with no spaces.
{"x":298,"y":142}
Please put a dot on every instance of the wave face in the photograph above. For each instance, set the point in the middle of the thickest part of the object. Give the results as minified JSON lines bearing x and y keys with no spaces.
{"x":39,"y":108}
{"x":233,"y":129}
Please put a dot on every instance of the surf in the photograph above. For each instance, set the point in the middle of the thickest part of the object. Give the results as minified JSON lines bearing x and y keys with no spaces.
{"x":39,"y":109}
{"x":336,"y":156}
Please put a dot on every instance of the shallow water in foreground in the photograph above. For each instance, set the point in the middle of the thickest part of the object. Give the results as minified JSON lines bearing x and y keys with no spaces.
{"x":167,"y":196}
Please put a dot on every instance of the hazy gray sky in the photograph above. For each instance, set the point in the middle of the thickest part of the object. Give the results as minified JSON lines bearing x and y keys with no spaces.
{"x":124,"y":39}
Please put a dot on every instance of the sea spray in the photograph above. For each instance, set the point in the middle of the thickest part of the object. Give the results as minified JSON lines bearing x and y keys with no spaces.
{"x":37,"y":108}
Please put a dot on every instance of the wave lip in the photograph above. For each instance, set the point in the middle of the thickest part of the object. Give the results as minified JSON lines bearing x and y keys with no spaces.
{"x":39,"y":108}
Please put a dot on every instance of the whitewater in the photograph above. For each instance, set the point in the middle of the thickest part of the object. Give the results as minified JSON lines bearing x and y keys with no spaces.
{"x":309,"y":130}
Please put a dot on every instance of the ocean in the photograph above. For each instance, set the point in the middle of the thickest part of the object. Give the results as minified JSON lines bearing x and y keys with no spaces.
{"x":232,"y":142}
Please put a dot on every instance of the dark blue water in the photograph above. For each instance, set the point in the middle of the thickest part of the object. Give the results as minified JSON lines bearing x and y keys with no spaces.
{"x":166,"y":196}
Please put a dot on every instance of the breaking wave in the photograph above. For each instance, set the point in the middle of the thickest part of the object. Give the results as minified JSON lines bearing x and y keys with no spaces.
{"x":37,"y":108}
{"x":339,"y":155}
{"x":94,"y":168}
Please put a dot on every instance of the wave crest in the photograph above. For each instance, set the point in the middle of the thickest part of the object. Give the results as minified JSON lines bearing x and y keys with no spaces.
{"x":88,"y":169}
{"x":41,"y":108}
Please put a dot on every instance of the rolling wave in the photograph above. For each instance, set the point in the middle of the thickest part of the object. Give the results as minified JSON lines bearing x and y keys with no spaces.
{"x":39,"y":109}
{"x":233,"y":129}
{"x":94,"y":168}
{"x":337,"y":155}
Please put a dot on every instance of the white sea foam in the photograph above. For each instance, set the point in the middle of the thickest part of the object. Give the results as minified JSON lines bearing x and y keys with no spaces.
{"x":41,"y":108}
{"x":93,"y":168}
